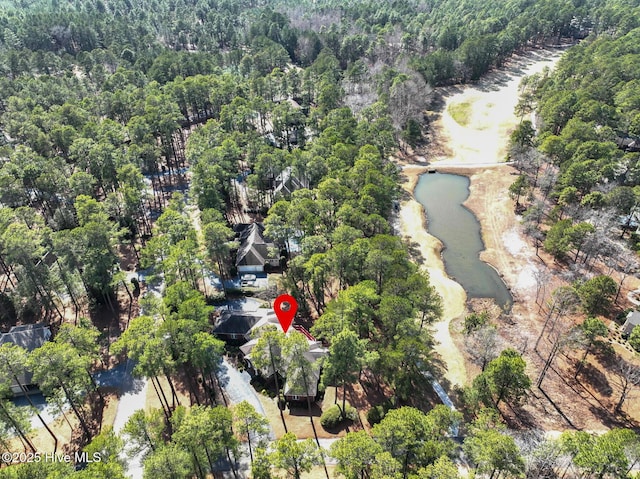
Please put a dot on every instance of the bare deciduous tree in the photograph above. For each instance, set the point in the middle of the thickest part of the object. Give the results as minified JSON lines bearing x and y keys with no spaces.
{"x":404,"y":91}
{"x":548,"y":180}
{"x":542,"y":456}
{"x":484,"y":345}
{"x":574,"y":272}
{"x":627,"y":263}
{"x":562,"y":336}
{"x":627,"y":377}
{"x":563,"y":300}
{"x":542,"y":277}
{"x":534,"y":215}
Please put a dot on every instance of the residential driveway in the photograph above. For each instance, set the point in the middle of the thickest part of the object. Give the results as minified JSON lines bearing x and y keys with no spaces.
{"x":129,"y":403}
{"x":133,"y":397}
{"x":325,"y":443}
{"x":237,"y":386}
{"x":47,"y":412}
{"x":261,"y":281}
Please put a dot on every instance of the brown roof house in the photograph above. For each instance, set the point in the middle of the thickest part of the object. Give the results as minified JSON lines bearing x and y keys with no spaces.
{"x":28,"y":337}
{"x":255,"y":252}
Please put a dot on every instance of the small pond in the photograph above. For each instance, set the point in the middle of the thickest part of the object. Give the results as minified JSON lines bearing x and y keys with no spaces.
{"x":442,"y":195}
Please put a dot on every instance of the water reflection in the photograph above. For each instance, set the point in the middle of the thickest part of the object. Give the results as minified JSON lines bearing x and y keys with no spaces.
{"x":442,"y":196}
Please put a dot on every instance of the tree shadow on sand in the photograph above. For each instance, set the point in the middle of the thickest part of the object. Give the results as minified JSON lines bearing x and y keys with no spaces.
{"x":520,"y":418}
{"x":596,"y":379}
{"x":415,"y":252}
{"x":594,"y":404}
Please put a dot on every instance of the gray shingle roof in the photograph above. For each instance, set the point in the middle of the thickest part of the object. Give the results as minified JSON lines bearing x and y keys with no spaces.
{"x":28,"y":336}
{"x":254,"y":249}
{"x":633,"y":320}
{"x":234,"y":322}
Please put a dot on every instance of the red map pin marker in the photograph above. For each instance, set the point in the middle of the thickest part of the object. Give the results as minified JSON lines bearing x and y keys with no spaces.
{"x":285,"y":307}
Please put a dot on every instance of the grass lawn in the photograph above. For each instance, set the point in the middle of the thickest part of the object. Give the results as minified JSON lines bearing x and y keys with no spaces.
{"x":461,"y":112}
{"x":318,"y":473}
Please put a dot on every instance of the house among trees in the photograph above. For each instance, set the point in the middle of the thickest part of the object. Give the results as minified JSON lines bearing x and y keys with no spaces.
{"x":630,"y":221}
{"x":236,"y":326}
{"x":28,"y":337}
{"x":628,"y":144}
{"x":633,"y":320}
{"x":255,"y":251}
{"x":286,"y":183}
{"x":294,"y":386}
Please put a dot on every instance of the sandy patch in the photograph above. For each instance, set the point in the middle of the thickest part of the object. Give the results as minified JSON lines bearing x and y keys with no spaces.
{"x":412,"y":226}
{"x":516,"y":246}
{"x":485,"y":136}
{"x":527,"y":279}
{"x":513,"y":242}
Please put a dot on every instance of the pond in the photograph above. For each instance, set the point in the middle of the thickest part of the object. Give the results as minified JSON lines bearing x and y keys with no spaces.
{"x":442,"y":195}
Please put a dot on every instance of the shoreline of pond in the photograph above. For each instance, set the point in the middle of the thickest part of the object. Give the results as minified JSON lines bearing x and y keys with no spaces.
{"x":461,"y":251}
{"x":412,"y":226}
{"x":475,"y":151}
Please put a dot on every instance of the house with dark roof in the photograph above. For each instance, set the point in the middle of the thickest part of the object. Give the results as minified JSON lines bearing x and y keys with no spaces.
{"x":286,"y":183}
{"x":236,"y":326}
{"x":255,"y":251}
{"x":28,"y":337}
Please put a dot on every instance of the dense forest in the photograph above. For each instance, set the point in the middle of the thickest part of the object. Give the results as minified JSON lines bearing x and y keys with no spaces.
{"x":581,"y":184}
{"x":135,"y":135}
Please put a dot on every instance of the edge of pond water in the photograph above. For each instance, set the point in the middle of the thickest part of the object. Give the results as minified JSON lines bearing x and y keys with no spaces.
{"x":468,"y":172}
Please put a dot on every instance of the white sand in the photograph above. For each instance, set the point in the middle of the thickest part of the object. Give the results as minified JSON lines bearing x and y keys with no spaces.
{"x":513,"y":242}
{"x":485,"y":138}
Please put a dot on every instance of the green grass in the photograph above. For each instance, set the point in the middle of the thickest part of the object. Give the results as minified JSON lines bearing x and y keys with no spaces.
{"x":460,"y":112}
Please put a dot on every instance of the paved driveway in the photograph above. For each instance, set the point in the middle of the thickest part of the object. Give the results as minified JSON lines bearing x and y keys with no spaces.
{"x":237,"y":386}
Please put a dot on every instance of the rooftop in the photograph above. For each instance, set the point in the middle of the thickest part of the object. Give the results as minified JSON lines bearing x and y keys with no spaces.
{"x":27,"y":336}
{"x":254,"y":249}
{"x":243,"y":322}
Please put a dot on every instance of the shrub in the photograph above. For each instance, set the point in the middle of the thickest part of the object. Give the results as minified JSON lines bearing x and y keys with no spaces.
{"x":375,"y":414}
{"x":634,"y":338}
{"x":475,"y":321}
{"x":622,"y":316}
{"x":332,"y":417}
